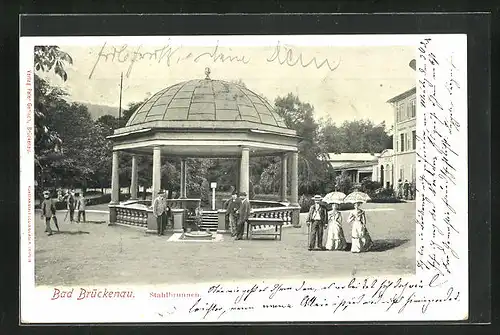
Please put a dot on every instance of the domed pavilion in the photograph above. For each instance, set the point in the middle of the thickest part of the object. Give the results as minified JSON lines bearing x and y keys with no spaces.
{"x":205,"y":118}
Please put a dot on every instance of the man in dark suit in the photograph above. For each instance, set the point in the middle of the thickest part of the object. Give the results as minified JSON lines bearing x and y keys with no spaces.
{"x":317,"y":220}
{"x":231,"y":206}
{"x":243,"y":215}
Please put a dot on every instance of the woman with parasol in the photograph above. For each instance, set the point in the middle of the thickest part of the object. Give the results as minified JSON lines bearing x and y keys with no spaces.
{"x":361,"y":240}
{"x":335,"y":239}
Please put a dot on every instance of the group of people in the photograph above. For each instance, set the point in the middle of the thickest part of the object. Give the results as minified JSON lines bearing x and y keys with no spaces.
{"x":406,"y":190}
{"x":237,"y":213}
{"x":74,"y":201}
{"x":319,"y":219}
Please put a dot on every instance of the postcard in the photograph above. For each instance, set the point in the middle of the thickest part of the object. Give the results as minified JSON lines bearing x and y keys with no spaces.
{"x":245,"y":179}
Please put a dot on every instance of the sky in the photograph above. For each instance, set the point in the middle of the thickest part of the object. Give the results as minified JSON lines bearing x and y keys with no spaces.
{"x":341,"y":82}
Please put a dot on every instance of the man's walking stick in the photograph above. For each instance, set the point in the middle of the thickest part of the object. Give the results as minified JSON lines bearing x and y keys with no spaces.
{"x":66,"y":216}
{"x":308,"y":233}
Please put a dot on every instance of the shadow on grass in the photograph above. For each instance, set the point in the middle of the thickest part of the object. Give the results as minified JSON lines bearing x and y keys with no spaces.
{"x":388,"y":244}
{"x":67,"y":232}
{"x":381,"y":245}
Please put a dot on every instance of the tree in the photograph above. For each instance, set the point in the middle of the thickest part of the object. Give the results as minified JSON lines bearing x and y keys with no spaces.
{"x":47,"y":58}
{"x":354,"y":136}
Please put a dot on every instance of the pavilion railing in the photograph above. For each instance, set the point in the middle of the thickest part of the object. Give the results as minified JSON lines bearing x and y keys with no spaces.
{"x":132,"y":216}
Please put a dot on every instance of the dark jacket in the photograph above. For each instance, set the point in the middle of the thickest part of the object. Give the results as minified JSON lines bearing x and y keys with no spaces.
{"x":244,"y":211}
{"x":323,"y":214}
{"x":48,"y":208}
{"x":232,"y":206}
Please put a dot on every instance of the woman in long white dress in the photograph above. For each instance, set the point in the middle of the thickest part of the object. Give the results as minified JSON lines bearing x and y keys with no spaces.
{"x":335,"y":239}
{"x":361,"y":240}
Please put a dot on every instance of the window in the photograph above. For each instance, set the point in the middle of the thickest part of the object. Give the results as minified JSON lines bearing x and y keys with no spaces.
{"x":402,"y":146}
{"x":407,"y":147}
{"x":399,"y":112}
{"x":413,"y":108}
{"x":401,"y":173}
{"x":414,"y":139}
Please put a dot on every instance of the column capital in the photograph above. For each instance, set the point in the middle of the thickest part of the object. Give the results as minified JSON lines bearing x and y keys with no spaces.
{"x":245,"y":148}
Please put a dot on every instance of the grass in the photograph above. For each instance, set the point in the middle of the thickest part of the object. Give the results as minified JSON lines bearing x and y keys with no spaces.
{"x":96,"y":254}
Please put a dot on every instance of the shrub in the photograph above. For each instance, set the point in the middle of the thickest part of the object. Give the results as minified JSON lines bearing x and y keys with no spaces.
{"x":385,"y":195}
{"x":343,"y":183}
{"x":305,"y":202}
{"x":369,"y":187}
{"x":257,"y":189}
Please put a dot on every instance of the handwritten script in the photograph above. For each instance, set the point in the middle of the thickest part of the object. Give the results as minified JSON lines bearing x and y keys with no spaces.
{"x":223,"y":302}
{"x":436,"y":214}
{"x":171,"y":55}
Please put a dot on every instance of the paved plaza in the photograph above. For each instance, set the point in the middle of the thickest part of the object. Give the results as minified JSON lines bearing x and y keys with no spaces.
{"x":95,"y":254}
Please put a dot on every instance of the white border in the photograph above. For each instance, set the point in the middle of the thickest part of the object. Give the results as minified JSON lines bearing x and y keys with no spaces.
{"x":426,"y":296}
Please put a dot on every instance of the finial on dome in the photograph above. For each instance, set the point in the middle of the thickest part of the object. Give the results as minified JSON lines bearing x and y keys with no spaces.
{"x":207,"y":73}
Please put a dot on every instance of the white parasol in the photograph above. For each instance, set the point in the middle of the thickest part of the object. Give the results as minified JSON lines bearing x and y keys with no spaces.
{"x":334,"y":198}
{"x":355,"y":197}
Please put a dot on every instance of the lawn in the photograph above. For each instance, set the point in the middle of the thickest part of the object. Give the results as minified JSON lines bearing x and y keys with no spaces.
{"x":95,"y":253}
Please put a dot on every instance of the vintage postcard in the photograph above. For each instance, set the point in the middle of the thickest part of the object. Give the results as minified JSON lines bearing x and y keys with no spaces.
{"x":243,"y":178}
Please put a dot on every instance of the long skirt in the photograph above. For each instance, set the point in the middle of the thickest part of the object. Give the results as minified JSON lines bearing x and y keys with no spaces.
{"x":361,"y":239}
{"x":335,"y":239}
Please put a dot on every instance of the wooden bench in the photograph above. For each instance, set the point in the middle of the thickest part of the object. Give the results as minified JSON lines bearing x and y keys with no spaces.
{"x":277,"y":223}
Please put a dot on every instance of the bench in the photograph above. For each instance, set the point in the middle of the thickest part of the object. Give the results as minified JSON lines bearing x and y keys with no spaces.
{"x":277,"y":223}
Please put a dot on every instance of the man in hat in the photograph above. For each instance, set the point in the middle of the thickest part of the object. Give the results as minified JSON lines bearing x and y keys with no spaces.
{"x":71,"y":204}
{"x":243,"y":215}
{"x":159,"y":205}
{"x":48,"y":212}
{"x":232,"y":206}
{"x":317,"y":220}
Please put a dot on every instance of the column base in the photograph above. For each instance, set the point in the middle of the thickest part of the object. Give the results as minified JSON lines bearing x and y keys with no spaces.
{"x":150,"y":231}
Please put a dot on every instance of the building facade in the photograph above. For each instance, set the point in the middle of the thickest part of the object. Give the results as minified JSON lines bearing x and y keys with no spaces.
{"x":358,"y":166}
{"x":405,"y":137}
{"x":383,"y":172}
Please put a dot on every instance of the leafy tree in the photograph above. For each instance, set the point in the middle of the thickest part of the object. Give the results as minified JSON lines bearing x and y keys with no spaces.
{"x":354,"y":136}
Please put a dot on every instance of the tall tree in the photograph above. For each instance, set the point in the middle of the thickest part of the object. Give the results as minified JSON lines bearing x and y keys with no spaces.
{"x":354,"y":136}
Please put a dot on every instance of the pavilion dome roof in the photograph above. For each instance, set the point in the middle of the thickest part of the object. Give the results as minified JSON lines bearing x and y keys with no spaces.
{"x":206,"y":100}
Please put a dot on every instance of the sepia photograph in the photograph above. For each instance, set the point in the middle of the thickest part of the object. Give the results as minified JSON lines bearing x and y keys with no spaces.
{"x":164,"y":161}
{"x":263,"y":155}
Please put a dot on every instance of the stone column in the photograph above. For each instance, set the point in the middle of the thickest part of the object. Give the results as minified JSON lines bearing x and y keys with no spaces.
{"x":284,"y":186}
{"x":238,"y":169}
{"x":156,"y":171}
{"x":115,"y":187}
{"x":294,"y":193}
{"x":115,"y":179}
{"x":183,"y":179}
{"x":133,"y":181}
{"x":245,"y":171}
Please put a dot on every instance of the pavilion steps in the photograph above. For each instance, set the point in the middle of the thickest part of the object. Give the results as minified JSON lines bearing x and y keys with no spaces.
{"x":210,"y":220}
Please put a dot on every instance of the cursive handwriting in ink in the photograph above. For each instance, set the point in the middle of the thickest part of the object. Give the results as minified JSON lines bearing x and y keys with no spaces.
{"x":286,"y":55}
{"x":124,"y":55}
{"x":217,"y":55}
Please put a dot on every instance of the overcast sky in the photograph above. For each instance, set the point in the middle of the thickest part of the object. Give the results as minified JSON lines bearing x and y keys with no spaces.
{"x":362,"y":78}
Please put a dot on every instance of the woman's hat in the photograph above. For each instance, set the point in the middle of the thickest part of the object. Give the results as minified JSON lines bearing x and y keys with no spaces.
{"x":317,"y":197}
